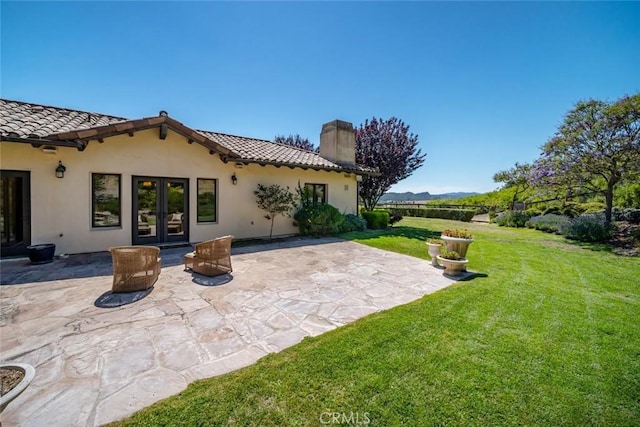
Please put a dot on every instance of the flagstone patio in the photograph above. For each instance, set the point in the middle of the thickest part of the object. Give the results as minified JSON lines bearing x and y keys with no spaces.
{"x":95,"y":365}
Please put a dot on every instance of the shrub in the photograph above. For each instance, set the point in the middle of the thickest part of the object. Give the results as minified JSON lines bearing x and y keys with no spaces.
{"x":376,"y":219}
{"x":572,"y":210}
{"x":631,"y":215}
{"x":452,"y":255}
{"x":319,"y":220}
{"x":512,"y":219}
{"x":591,"y":207}
{"x":461,"y":234}
{"x":353,"y":223}
{"x":531,"y":212}
{"x":588,"y":228}
{"x":453,"y":214}
{"x":394,"y":217}
{"x":550,"y":223}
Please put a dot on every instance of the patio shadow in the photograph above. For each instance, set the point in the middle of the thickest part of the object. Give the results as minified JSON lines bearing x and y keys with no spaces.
{"x":113,"y":300}
{"x":211,"y":281}
{"x":421,"y":234}
{"x":76,"y":266}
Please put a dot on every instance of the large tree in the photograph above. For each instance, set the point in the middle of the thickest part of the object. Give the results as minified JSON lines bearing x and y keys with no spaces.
{"x":516,"y":178}
{"x":388,"y":146}
{"x":296,"y":141}
{"x":596,"y":147}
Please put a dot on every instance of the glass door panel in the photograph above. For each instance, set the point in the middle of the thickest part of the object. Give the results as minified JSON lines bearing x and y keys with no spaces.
{"x":15,"y":211}
{"x":147,"y":209}
{"x":160,"y":210}
{"x":175,"y":208}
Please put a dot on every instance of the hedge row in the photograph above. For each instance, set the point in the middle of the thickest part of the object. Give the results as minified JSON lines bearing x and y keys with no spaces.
{"x":454,"y":214}
{"x":585,"y":228}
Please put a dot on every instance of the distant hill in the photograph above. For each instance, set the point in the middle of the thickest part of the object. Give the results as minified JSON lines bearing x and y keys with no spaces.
{"x":414,"y":197}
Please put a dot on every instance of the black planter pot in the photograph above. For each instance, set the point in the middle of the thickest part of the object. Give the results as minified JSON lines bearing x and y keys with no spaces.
{"x":41,"y":254}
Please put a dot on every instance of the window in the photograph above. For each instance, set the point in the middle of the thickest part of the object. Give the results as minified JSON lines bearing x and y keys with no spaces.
{"x":206,"y":200}
{"x":105,"y":196}
{"x":318,"y":192}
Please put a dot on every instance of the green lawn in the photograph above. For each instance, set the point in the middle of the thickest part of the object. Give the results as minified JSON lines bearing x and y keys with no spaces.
{"x":549,"y":334}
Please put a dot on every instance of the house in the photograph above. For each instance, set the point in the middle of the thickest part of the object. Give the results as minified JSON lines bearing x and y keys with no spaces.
{"x":88,"y":181}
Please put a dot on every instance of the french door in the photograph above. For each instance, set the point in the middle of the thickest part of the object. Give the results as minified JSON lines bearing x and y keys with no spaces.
{"x":15,"y":212}
{"x":160,"y":210}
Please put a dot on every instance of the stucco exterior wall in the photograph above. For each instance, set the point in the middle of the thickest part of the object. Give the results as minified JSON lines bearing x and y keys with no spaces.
{"x":61,"y":208}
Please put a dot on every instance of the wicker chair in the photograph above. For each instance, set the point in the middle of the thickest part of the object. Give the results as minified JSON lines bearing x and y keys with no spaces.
{"x":211,"y":258}
{"x":175,"y":223}
{"x":135,"y":268}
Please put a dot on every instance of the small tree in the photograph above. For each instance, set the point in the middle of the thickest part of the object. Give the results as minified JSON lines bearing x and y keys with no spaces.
{"x":596,"y":148}
{"x":517,"y":178}
{"x":388,"y":146}
{"x":296,"y":141}
{"x":274,"y":199}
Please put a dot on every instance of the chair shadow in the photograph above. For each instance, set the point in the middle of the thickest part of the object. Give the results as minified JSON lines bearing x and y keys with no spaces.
{"x":203,"y":280}
{"x":112,"y":300}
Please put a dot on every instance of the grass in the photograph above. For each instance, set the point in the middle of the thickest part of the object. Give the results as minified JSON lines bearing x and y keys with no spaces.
{"x":549,"y":335}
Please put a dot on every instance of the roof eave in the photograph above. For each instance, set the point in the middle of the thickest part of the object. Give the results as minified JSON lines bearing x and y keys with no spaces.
{"x":337,"y":168}
{"x":80,"y":138}
{"x":130,"y":126}
{"x":39,"y":142}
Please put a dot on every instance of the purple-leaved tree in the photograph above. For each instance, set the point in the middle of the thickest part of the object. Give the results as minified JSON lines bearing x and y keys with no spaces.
{"x":388,"y":146}
{"x":595,"y":148}
{"x":296,"y":141}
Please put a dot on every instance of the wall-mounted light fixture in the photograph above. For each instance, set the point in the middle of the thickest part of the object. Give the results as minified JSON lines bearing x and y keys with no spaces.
{"x":49,"y":150}
{"x":359,"y":178}
{"x":234,"y":179}
{"x":60,"y":170}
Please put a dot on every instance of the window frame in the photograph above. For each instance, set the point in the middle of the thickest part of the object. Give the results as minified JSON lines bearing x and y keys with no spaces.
{"x":215,"y":201}
{"x":325,"y":195}
{"x":93,"y":201}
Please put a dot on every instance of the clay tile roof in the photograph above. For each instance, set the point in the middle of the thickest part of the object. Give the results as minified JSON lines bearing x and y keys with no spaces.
{"x":262,"y":151}
{"x":23,"y":121}
{"x":39,"y":121}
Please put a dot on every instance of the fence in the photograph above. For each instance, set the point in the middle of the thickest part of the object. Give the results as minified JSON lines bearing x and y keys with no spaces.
{"x":480,"y":208}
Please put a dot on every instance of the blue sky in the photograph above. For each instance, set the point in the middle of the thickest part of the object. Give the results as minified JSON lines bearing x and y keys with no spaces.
{"x":484,"y":84}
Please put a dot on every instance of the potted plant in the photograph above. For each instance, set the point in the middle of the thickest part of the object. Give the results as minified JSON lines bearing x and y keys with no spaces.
{"x":41,"y":254}
{"x":453,"y":263}
{"x":457,"y":240}
{"x":15,"y":377}
{"x":435,"y":247}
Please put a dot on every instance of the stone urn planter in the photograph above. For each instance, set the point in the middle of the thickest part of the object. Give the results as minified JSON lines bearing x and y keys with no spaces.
{"x":14,"y":377}
{"x":41,"y":254}
{"x":434,"y":250}
{"x":457,"y":241}
{"x":453,"y":267}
